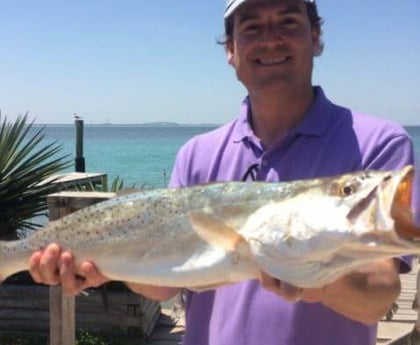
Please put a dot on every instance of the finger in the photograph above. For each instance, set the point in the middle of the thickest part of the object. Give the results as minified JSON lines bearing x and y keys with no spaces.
{"x":93,"y":277}
{"x":48,"y":265}
{"x":290,"y":292}
{"x":74,"y":280}
{"x":269,"y":283}
{"x":70,"y":283}
{"x":34,"y":261}
{"x":313,"y":295}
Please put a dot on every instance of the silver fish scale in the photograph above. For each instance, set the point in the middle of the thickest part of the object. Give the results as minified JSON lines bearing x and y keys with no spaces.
{"x":157,"y":217}
{"x":147,"y":213}
{"x":160,"y":213}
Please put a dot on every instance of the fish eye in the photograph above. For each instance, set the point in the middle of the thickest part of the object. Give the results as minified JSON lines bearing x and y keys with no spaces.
{"x":348,"y":189}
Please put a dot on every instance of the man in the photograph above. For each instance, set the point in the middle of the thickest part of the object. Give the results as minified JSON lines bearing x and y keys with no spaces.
{"x":287,"y":129}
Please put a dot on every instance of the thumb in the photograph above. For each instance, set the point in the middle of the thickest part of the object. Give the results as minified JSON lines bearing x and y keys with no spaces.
{"x":286,"y":291}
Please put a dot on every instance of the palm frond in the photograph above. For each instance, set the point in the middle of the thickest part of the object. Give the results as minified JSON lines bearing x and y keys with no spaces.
{"x":25,"y":163}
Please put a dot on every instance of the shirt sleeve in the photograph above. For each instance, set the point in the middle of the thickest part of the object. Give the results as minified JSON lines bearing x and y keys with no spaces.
{"x":175,"y":181}
{"x":395,"y":153}
{"x":182,"y":166}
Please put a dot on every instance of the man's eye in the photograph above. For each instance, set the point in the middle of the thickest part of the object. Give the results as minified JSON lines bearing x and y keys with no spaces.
{"x":250,"y":28}
{"x":289,"y":22}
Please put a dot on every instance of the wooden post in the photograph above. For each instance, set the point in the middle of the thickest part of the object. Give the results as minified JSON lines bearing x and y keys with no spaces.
{"x":62,"y":308}
{"x":79,"y":160}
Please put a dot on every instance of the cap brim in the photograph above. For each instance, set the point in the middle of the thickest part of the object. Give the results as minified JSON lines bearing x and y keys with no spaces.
{"x":232,"y":7}
{"x":235,"y":4}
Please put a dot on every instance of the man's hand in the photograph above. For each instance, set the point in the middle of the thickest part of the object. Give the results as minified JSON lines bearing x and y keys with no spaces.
{"x":289,"y":292}
{"x":365,"y":294}
{"x":52,"y":266}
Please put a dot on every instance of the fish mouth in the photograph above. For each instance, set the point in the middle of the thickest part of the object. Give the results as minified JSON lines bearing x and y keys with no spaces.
{"x":401,"y":205}
{"x":388,"y":206}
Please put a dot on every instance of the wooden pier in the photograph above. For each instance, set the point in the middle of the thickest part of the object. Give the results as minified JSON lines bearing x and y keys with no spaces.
{"x":395,"y":331}
{"x":167,"y":330}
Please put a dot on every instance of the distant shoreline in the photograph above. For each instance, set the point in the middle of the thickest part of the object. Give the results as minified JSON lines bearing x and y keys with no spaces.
{"x":151,"y":124}
{"x":148,"y":124}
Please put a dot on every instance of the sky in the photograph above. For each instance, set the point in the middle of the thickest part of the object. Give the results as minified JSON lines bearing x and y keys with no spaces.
{"x":137,"y":61}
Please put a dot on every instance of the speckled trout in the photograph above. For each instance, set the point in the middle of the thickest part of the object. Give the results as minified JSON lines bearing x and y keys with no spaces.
{"x":307,"y":233}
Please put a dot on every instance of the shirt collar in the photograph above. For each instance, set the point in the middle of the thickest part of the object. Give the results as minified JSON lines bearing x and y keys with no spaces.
{"x":318,"y":116}
{"x":314,"y":123}
{"x":243,"y":129}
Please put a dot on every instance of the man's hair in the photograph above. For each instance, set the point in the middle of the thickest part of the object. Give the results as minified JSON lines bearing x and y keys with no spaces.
{"x":314,"y":18}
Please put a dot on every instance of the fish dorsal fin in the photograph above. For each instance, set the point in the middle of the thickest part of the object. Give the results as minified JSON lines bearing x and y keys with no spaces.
{"x":214,"y":231}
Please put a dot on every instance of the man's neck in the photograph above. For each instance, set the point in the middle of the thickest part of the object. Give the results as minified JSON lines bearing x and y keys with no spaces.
{"x":274,"y":114}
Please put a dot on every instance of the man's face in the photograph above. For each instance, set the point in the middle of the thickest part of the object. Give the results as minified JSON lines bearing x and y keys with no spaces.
{"x":273,"y":44}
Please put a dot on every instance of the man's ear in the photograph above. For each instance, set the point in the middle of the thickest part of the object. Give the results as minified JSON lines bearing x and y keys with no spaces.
{"x":317,"y":45}
{"x":229,"y":52}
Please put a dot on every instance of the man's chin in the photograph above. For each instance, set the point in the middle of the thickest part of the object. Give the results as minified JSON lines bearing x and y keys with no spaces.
{"x":273,"y":81}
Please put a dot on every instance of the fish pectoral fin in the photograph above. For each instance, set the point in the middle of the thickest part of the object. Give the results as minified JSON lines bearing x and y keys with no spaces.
{"x":215,"y":232}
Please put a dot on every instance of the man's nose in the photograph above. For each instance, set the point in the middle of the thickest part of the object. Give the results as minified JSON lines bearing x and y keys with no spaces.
{"x":272,"y":33}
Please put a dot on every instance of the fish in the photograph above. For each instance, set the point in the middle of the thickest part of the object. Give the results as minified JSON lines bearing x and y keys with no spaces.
{"x":307,"y":233}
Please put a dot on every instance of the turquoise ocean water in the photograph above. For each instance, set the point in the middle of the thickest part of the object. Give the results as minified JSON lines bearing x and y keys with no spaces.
{"x":140,"y":155}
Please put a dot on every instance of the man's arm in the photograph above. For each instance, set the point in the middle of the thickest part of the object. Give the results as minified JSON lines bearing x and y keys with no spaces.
{"x":364,"y":295}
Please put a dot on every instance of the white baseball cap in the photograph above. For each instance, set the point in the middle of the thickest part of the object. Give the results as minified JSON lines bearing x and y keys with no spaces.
{"x":232,"y":5}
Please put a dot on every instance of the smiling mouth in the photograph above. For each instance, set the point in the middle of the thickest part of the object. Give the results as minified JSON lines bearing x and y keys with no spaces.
{"x":272,"y":61}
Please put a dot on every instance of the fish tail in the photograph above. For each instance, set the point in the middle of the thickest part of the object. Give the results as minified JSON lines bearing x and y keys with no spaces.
{"x":12,"y":258}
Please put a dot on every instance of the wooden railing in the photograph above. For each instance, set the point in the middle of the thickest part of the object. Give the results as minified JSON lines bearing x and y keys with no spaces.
{"x":62,"y":308}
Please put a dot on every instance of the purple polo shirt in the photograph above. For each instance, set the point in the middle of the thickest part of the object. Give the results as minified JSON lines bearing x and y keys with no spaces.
{"x":330,"y":140}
